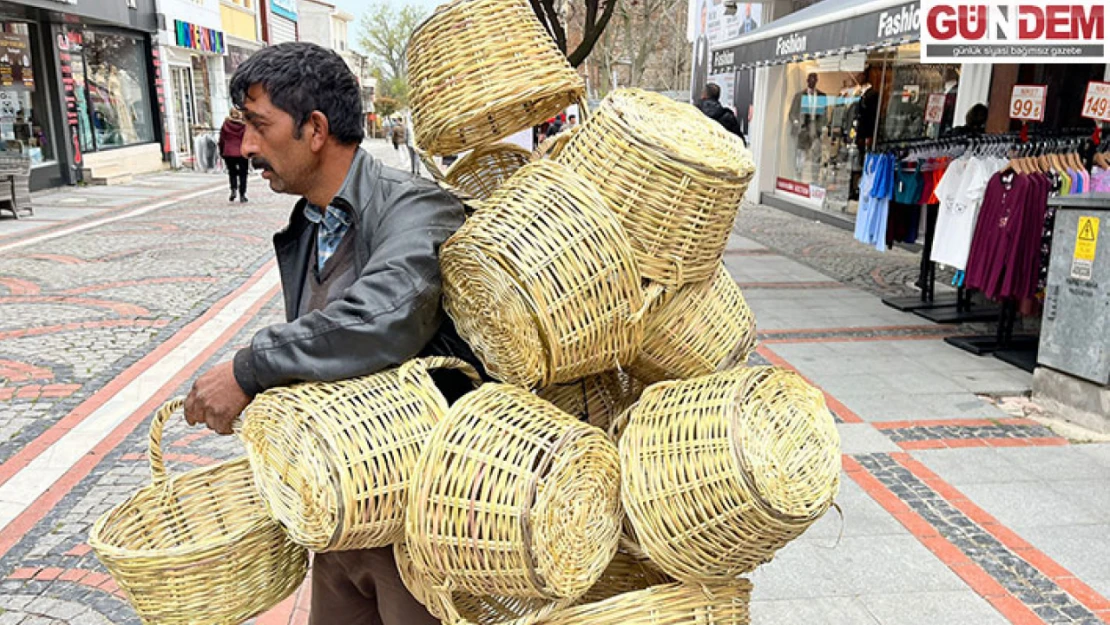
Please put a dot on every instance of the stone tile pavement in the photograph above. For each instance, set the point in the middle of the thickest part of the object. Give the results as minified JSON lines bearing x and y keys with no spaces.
{"x":951,"y":510}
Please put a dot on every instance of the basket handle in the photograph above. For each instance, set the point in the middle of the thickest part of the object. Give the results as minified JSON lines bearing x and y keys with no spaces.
{"x":414,"y":377}
{"x":157,"y":465}
{"x":441,"y":594}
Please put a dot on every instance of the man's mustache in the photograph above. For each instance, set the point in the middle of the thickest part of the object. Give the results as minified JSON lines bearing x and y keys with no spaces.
{"x":261,"y":163}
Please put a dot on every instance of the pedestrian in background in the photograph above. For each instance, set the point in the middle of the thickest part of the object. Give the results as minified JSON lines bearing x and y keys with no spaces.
{"x":231,"y":141}
{"x":710,"y":104}
{"x":397,"y":133}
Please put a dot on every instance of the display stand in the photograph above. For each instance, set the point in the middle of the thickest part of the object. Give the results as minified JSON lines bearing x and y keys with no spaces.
{"x":927,"y":274}
{"x":1018,"y":350}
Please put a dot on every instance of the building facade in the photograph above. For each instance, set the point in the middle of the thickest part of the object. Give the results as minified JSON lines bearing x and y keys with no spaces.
{"x":79,"y":89}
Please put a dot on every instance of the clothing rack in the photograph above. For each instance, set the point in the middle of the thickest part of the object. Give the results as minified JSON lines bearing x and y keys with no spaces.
{"x":1020,"y":350}
{"x":957,"y":309}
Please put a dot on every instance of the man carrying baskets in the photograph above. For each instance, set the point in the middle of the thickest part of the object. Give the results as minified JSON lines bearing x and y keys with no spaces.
{"x":360,"y":274}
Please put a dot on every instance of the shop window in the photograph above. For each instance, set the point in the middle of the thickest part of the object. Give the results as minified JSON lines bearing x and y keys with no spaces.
{"x":837,"y":108}
{"x":117,"y":93}
{"x":23,"y":107}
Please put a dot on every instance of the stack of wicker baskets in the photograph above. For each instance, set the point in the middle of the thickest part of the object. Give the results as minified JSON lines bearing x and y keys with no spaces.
{"x":628,"y":468}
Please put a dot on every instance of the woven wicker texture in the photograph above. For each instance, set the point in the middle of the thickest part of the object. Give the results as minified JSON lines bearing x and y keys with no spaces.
{"x":541,"y":281}
{"x":333,"y":460}
{"x":625,"y":573}
{"x":670,"y":604}
{"x":197,"y":547}
{"x":719,"y":472}
{"x":703,"y":328}
{"x":481,"y":70}
{"x":674,"y":177}
{"x":597,"y":399}
{"x":486,"y":168}
{"x":514,"y":498}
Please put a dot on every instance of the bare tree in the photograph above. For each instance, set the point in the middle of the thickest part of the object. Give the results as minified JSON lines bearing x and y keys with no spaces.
{"x":644,"y":46}
{"x":595,"y":16}
{"x":385,"y":34}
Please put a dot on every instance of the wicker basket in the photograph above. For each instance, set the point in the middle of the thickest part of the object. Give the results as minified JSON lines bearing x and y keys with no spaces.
{"x":670,"y":604}
{"x":704,"y":327}
{"x":625,"y":573}
{"x":481,"y":70}
{"x":674,"y":177}
{"x":197,"y":547}
{"x":514,"y":498}
{"x":333,"y":460}
{"x":719,"y":472}
{"x":597,"y":399}
{"x":541,"y":281}
{"x":486,"y":168}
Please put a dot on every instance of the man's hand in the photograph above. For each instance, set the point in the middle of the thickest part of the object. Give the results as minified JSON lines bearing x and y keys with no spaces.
{"x":216,"y":399}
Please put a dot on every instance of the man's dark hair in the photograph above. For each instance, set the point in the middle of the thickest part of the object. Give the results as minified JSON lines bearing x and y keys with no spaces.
{"x":303,"y":77}
{"x":712,"y":91}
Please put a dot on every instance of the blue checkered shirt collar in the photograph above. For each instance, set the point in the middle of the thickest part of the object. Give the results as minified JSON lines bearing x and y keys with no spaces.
{"x":332,"y":224}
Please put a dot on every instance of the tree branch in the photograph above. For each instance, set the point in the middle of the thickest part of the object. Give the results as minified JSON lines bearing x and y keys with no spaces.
{"x":556,"y":29}
{"x":591,"y":32}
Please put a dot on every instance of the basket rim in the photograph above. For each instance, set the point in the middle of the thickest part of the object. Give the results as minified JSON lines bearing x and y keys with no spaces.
{"x":621,"y":96}
{"x":105,"y":549}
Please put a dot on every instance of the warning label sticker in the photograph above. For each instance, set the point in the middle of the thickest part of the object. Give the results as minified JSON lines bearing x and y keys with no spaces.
{"x":1086,"y":246}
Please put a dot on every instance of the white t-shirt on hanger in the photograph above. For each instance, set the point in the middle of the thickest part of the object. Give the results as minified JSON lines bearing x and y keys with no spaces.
{"x":960,"y":193}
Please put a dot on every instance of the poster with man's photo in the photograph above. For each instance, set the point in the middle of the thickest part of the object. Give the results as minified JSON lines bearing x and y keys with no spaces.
{"x":708,"y":25}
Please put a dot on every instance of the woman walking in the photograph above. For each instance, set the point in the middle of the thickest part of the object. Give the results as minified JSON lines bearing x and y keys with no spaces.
{"x":231,"y":138}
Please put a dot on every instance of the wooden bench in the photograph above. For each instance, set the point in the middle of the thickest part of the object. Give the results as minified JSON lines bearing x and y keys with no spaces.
{"x":15,"y":184}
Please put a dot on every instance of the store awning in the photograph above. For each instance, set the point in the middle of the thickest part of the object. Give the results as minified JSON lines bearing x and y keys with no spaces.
{"x":823,"y":29}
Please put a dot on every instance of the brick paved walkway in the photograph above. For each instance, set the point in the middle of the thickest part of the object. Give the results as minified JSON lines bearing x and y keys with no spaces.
{"x":953,"y":510}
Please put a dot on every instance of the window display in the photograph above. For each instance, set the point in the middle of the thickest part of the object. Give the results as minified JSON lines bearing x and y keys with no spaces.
{"x":23,"y":110}
{"x":838,"y":108}
{"x":111,"y":88}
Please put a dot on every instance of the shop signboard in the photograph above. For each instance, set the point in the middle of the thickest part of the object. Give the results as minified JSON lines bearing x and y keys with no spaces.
{"x":285,"y":8}
{"x":15,"y":62}
{"x":900,"y":23}
{"x":792,"y":186}
{"x":1096,"y":105}
{"x":1027,"y":102}
{"x":934,"y":109}
{"x":1013,"y":31}
{"x":199,"y":38}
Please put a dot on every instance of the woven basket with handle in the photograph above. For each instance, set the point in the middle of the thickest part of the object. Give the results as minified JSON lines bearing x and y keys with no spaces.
{"x":197,"y":547}
{"x":598,"y":399}
{"x":541,"y":281}
{"x":513,"y":498}
{"x":702,"y":328}
{"x":486,"y":168}
{"x":721,"y":471}
{"x":673,"y":176}
{"x":333,"y":460}
{"x":481,"y":70}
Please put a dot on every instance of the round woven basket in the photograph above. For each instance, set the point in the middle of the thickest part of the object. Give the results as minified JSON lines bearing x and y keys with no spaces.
{"x":541,"y":281}
{"x":673,"y":176}
{"x":597,"y":399}
{"x":702,"y":328}
{"x":669,"y":604}
{"x":197,"y":547}
{"x":333,"y":460}
{"x":486,"y":168}
{"x":513,"y":498}
{"x":481,"y":70}
{"x":757,"y":454}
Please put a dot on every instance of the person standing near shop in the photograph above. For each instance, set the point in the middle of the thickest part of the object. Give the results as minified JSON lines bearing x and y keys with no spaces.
{"x":360,"y":273}
{"x":710,"y":104}
{"x":231,"y":139}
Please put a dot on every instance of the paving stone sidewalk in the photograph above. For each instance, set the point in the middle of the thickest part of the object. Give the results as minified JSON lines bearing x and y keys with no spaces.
{"x":953,"y":510}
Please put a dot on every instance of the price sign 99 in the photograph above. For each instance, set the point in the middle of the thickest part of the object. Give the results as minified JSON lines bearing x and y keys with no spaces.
{"x":1027,"y":102}
{"x":1097,"y":103}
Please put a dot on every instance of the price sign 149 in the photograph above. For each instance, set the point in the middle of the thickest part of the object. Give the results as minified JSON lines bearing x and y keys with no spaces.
{"x":1097,"y":103}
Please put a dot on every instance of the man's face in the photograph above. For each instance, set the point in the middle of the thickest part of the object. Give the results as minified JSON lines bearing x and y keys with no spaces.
{"x":269,"y":141}
{"x":811,"y":80}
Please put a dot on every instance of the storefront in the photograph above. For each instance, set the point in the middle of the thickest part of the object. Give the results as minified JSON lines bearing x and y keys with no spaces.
{"x":76,"y":90}
{"x":279,"y":21}
{"x":826,"y":84}
{"x":193,"y":48}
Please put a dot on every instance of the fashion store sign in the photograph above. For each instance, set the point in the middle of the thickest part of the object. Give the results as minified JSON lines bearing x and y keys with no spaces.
{"x":1002,"y":31}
